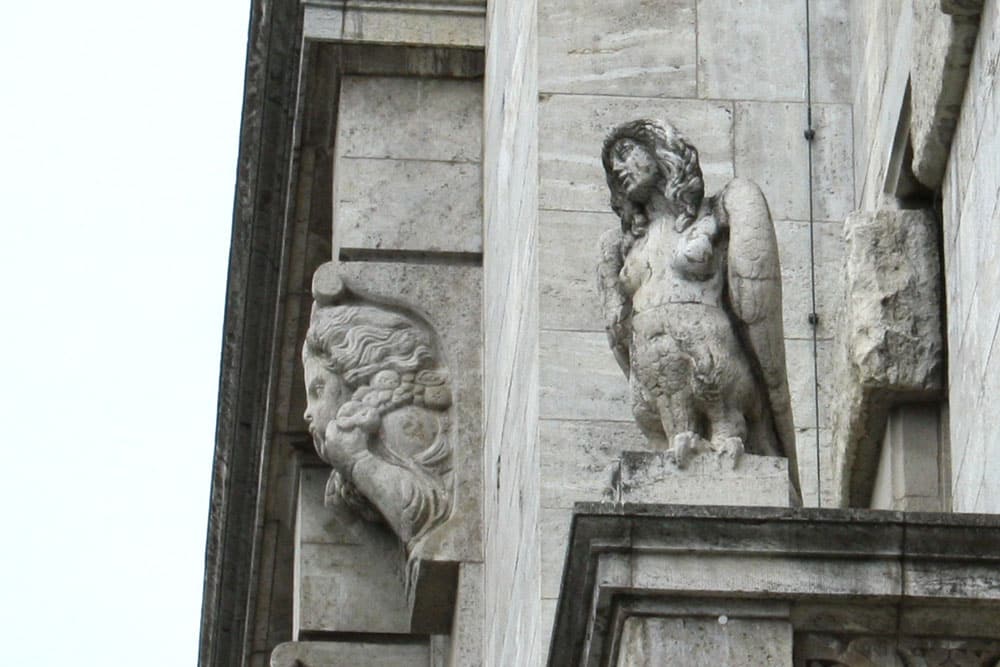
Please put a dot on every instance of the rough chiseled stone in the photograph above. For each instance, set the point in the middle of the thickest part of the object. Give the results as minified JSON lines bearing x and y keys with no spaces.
{"x":890,"y":345}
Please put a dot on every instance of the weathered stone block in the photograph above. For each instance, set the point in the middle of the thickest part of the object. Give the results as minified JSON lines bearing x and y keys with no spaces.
{"x":909,"y":475}
{"x":411,"y":653}
{"x":767,"y":61}
{"x":771,"y":150}
{"x":367,"y":22}
{"x":707,"y":479}
{"x":806,"y":368}
{"x":796,"y":292}
{"x":466,"y":636}
{"x":568,"y":243}
{"x":643,"y":49}
{"x":693,"y":640}
{"x":942,"y":50}
{"x":579,"y":459}
{"x":408,"y":205}
{"x":553,"y":537}
{"x":580,"y":379}
{"x":349,"y":573}
{"x":890,"y":344}
{"x":829,"y":22}
{"x":817,"y":484}
{"x":323,"y":23}
{"x":429,"y":119}
{"x":832,"y":160}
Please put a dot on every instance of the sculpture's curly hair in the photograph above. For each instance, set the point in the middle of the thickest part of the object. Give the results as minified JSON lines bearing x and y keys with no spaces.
{"x":676,"y":158}
{"x":356,"y":341}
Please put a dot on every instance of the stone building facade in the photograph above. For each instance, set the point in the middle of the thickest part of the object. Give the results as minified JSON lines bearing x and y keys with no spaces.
{"x":445,"y":155}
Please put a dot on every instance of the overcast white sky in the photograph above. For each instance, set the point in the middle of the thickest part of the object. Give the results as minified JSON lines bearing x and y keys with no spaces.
{"x":119,"y":123}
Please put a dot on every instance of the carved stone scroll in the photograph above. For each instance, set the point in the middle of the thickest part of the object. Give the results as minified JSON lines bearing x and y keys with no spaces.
{"x":691,"y":291}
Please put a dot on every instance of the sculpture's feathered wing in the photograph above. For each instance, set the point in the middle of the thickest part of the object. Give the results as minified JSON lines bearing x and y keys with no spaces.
{"x":754,"y":293}
{"x":615,"y":304}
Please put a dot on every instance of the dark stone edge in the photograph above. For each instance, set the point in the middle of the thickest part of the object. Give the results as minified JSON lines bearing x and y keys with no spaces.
{"x":273,"y":54}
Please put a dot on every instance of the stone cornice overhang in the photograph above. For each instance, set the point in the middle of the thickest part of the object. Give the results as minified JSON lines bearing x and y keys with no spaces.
{"x":853,"y":571}
{"x":248,"y":346}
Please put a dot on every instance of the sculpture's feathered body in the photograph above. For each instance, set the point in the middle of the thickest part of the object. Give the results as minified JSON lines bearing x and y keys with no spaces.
{"x":691,"y":289}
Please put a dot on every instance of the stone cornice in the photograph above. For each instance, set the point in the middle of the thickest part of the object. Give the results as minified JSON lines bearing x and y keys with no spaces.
{"x":872,"y":572}
{"x":469,"y":7}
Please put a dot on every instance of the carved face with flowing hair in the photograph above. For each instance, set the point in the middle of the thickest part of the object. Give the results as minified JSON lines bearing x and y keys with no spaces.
{"x":349,"y":345}
{"x":675,"y":159}
{"x":375,"y":370}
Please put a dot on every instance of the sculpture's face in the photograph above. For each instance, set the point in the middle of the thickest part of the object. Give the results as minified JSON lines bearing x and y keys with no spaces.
{"x":635,"y":168}
{"x":325,"y":393}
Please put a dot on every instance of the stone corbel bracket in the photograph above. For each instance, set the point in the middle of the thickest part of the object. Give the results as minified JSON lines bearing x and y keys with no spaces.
{"x":434,"y":561}
{"x":854,"y":572}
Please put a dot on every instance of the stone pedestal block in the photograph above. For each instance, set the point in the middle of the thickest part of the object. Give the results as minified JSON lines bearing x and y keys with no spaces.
{"x":710,"y":640}
{"x":348,"y":571}
{"x":707,"y":479}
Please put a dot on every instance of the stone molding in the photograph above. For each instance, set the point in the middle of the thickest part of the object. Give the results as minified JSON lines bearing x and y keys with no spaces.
{"x":242,"y":444}
{"x":829,"y":650}
{"x":454,"y":23}
{"x":888,"y":574}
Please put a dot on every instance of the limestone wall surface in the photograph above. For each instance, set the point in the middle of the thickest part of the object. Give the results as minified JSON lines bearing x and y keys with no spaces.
{"x":971,"y":214}
{"x":880,"y":64}
{"x":510,"y":267}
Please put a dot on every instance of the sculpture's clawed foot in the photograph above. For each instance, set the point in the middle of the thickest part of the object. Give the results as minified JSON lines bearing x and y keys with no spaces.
{"x":731,"y":450}
{"x":686,"y":445}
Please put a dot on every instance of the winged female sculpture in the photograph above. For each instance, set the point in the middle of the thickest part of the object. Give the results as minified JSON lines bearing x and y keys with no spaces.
{"x":691,"y":292}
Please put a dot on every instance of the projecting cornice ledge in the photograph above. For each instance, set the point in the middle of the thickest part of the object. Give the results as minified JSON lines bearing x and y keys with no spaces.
{"x":847,"y":573}
{"x":450,"y":23}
